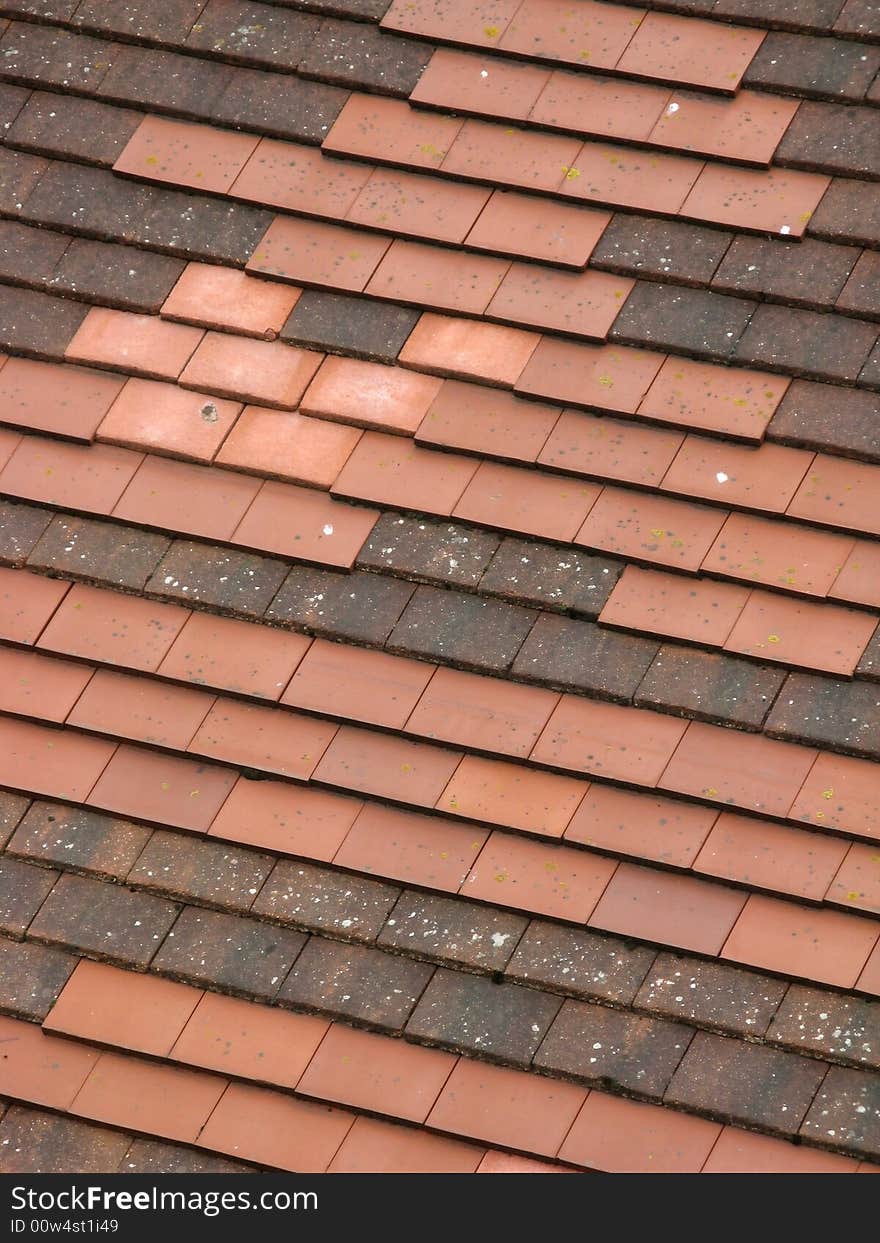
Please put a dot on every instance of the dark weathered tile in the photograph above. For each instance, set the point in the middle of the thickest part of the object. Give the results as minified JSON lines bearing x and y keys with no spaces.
{"x":209,"y":873}
{"x":67,"y":126}
{"x":551,"y":578}
{"x":846,"y":1111}
{"x":666,"y":249}
{"x":468,"y":630}
{"x":806,"y":65}
{"x":79,"y":839}
{"x":435,"y":552}
{"x":347,"y":906}
{"x":500,"y":1021}
{"x":31,"y":977}
{"x":710,"y":686}
{"x":20,"y":529}
{"x":745,"y":1083}
{"x":849,"y":212}
{"x":452,"y":930}
{"x":832,"y":138}
{"x":363,"y":57}
{"x":596,"y":1044}
{"x":829,"y":712}
{"x":279,"y":105}
{"x":687,"y":321}
{"x":236,"y":582}
{"x":98,"y":552}
{"x":50,"y":56}
{"x":358,"y":327}
{"x":33,"y":1140}
{"x":37,"y":325}
{"x":251,"y":33}
{"x":821,"y":416}
{"x":153,"y":1156}
{"x":104,"y":921}
{"x":228,"y":952}
{"x":829,"y":1024}
{"x":578,"y":655}
{"x":583,"y":964}
{"x":711,"y":994}
{"x":118,"y":276}
{"x":356,"y":982}
{"x":28,"y":256}
{"x":23,"y":890}
{"x":806,"y":343}
{"x":361,"y":607}
{"x":808,"y":273}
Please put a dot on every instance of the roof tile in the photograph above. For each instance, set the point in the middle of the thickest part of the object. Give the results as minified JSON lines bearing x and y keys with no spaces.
{"x":711,"y":994}
{"x":526,"y":502}
{"x":389,"y":470}
{"x":770,"y":856}
{"x":274,"y":1129}
{"x":233,"y":656}
{"x":695,"y":610}
{"x":510,"y":795}
{"x":162,"y":788}
{"x":628,"y":823}
{"x":420,"y":850}
{"x":132,"y":707}
{"x":45,"y":1070}
{"x":630,"y":1137}
{"x":374,"y":1146}
{"x":310,"y":252}
{"x":542,"y":878}
{"x":792,"y":557}
{"x":651,"y":528}
{"x":263,"y":738}
{"x":839,"y":793}
{"x":285,"y":818}
{"x":451,"y":930}
{"x":388,"y":399}
{"x":113,"y":628}
{"x":815,"y":636}
{"x":608,"y":740}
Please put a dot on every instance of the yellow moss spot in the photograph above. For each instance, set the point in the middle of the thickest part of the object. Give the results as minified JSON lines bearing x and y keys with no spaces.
{"x":605,"y":381}
{"x":194,"y":793}
{"x":152,"y":159}
{"x":852,"y":896}
{"x":829,"y":793}
{"x":491,"y":32}
{"x":570,"y":172}
{"x":657,"y":532}
{"x":711,"y":792}
{"x":406,"y":768}
{"x":500,"y":876}
{"x":772,"y":638}
{"x":163,"y":785}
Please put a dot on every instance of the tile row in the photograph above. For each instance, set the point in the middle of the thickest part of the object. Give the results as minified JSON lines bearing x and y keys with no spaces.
{"x":615,"y":38}
{"x":424,"y":1086}
{"x":746,"y":128}
{"x":298,"y":178}
{"x":397,"y":934}
{"x":230,"y":1117}
{"x":386,"y":131}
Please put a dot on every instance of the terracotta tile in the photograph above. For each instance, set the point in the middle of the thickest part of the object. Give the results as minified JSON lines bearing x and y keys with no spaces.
{"x":268,"y":739}
{"x":542,"y":878}
{"x":840,"y":793}
{"x":680,"y":911}
{"x":604,"y":448}
{"x":286,"y":818}
{"x":371,"y":763}
{"x":507,"y":156}
{"x":731,"y":400}
{"x":748,"y":127}
{"x":467,"y":350}
{"x":744,"y":1152}
{"x":526,"y":502}
{"x":840,"y":493}
{"x":479,"y":84}
{"x":61,"y":400}
{"x":435,"y":277}
{"x":357,"y":683}
{"x":298,"y":178}
{"x":182,"y":154}
{"x":369,"y":1071}
{"x":186,"y":499}
{"x":267,"y":373}
{"x":42,"y":1069}
{"x":370,"y":395}
{"x":584,"y":304}
{"x":113,"y":628}
{"x":770,"y":856}
{"x":601,"y":377}
{"x":690,"y":50}
{"x":38,"y":686}
{"x":9,"y":442}
{"x":27,"y":601}
{"x":309,"y":252}
{"x":288,"y":446}
{"x":146,"y":711}
{"x":589,"y":34}
{"x":511,"y":795}
{"x":138,"y":344}
{"x":801,"y":633}
{"x":662,"y":829}
{"x":417,"y":206}
{"x":271,"y":1128}
{"x":150,"y":415}
{"x":626,"y":744}
{"x":830,"y":947}
{"x":733,"y":767}
{"x":857,"y":883}
{"x":141,"y":1096}
{"x":401,"y":846}
{"x":558,"y":233}
{"x":89,"y":479}
{"x":651,"y":528}
{"x":776,"y":200}
{"x":305,"y":525}
{"x":216,"y":297}
{"x":486,"y":421}
{"x":859,"y":580}
{"x":392,"y":131}
{"x":42,"y":760}
{"x":107,"y":1005}
{"x":163,"y":789}
{"x":605,"y":107}
{"x":487,"y":714}
{"x":762,"y":478}
{"x":697,"y":610}
{"x":629,"y":1137}
{"x":234,"y":655}
{"x":627,"y":177}
{"x":376,"y":1147}
{"x":392,"y":471}
{"x":509,"y":1107}
{"x":760,"y":550}
{"x":247,"y":1040}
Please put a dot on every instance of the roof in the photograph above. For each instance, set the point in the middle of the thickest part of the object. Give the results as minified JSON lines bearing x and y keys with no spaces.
{"x":439,"y":515}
